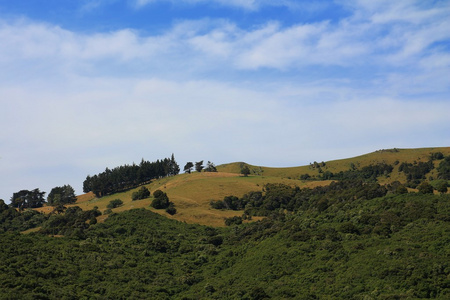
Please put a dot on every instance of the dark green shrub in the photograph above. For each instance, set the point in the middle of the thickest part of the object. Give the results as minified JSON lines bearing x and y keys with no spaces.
{"x":142,"y":193}
{"x":171,"y":210}
{"x":425,"y":188}
{"x":161,"y":200}
{"x":114,"y":203}
{"x":233,"y":221}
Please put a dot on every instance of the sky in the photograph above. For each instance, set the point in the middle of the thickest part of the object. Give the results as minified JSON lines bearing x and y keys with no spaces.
{"x":90,"y":84}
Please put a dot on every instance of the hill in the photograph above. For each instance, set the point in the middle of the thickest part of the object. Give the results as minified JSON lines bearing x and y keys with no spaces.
{"x":192,"y":193}
{"x":346,"y":238}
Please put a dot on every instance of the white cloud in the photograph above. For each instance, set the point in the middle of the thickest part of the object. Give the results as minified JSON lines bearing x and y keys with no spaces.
{"x":200,"y":89}
{"x":244,"y":4}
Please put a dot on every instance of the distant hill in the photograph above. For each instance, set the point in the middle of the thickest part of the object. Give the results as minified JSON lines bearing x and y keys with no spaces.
{"x":192,"y":193}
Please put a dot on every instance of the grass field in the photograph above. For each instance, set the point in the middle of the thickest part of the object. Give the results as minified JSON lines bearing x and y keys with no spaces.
{"x":192,"y":193}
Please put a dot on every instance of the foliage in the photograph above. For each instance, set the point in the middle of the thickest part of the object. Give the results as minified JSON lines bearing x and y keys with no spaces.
{"x":281,"y":196}
{"x":13,"y":220}
{"x":245,"y":170}
{"x":396,"y":244}
{"x":160,"y":201}
{"x":199,"y":166}
{"x":436,"y":156}
{"x":27,"y":199}
{"x":444,"y":169}
{"x":125,"y":177}
{"x":425,"y":188}
{"x":72,"y":223}
{"x":114,"y":203}
{"x":171,"y":210}
{"x":367,"y":173}
{"x":61,"y":195}
{"x":210,"y":167}
{"x":142,"y":193}
{"x":417,"y":170}
{"x":233,"y":221}
{"x":188,"y":167}
{"x":441,"y":186}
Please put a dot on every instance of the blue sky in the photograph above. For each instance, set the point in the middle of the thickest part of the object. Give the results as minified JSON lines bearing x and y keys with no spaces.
{"x":91,"y":84}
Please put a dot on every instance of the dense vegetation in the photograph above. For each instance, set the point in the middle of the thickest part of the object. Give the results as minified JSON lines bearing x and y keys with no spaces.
{"x":351,"y":239}
{"x":129,"y":176}
{"x":386,"y":248}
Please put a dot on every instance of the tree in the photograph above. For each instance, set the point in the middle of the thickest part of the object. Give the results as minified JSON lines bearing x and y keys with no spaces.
{"x":236,"y":220}
{"x":142,"y":193}
{"x":171,"y":210}
{"x":61,"y":195}
{"x":245,"y":171}
{"x":444,"y":169}
{"x":199,"y":166}
{"x":174,"y":168}
{"x":188,"y":167}
{"x":425,"y":188}
{"x":210,"y":167}
{"x":441,"y":186}
{"x":27,"y":199}
{"x":115,"y":203}
{"x":161,"y":200}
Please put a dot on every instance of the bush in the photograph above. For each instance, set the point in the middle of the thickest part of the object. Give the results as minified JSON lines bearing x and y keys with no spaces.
{"x":142,"y":193}
{"x":161,"y":200}
{"x":441,"y":186}
{"x":114,"y":203}
{"x":233,"y":220}
{"x":425,"y":188}
{"x":171,"y":210}
{"x":107,"y":211}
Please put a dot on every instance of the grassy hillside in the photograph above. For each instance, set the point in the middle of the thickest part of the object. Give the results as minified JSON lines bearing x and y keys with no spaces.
{"x":192,"y":193}
{"x":388,"y":156}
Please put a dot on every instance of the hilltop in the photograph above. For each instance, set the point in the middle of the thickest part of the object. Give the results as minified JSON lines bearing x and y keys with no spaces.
{"x":192,"y":193}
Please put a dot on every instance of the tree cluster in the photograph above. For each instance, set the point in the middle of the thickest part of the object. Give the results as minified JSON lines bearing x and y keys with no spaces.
{"x":129,"y":176}
{"x":199,"y":167}
{"x":281,"y":196}
{"x":416,"y":171}
{"x":367,"y":173}
{"x":28,"y":199}
{"x":444,"y":169}
{"x":61,"y":195}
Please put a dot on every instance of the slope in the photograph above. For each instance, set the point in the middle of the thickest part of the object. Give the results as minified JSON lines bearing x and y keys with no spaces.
{"x":192,"y":193}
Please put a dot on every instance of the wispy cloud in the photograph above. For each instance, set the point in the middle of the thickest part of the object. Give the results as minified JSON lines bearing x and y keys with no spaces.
{"x":243,"y":4}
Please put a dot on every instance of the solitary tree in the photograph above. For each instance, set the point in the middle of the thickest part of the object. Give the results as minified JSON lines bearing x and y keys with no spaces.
{"x":161,"y":200}
{"x":199,"y":166}
{"x":245,"y":171}
{"x":188,"y":167}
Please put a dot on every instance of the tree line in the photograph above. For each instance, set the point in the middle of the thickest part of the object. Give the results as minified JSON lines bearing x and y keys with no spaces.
{"x":129,"y":176}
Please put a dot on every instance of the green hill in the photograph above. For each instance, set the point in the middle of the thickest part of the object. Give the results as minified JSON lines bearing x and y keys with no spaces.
{"x":192,"y":193}
{"x":360,"y":235}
